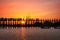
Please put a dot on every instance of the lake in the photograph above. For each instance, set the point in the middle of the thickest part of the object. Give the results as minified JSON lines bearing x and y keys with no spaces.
{"x":29,"y":33}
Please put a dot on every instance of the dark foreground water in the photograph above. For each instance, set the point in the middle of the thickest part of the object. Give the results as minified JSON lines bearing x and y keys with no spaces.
{"x":29,"y":33}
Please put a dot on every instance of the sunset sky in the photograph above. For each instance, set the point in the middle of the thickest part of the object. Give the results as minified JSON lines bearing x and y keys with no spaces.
{"x":32,"y":8}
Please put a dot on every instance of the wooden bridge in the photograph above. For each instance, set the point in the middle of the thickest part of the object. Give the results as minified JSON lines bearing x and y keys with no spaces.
{"x":31,"y":22}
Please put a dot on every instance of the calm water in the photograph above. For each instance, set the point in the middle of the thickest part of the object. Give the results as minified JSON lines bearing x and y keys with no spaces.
{"x":29,"y":33}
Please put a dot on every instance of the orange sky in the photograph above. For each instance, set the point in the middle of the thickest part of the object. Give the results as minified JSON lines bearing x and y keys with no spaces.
{"x":32,"y":8}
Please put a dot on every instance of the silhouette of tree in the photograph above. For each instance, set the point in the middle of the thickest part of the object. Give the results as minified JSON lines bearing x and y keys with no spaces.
{"x":37,"y":24}
{"x":56,"y":23}
{"x":47,"y":23}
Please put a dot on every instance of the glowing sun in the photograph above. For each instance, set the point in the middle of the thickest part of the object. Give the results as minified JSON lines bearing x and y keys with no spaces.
{"x":22,"y":22}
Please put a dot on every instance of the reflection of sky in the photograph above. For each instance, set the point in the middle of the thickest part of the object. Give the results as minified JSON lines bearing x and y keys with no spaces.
{"x":29,"y":33}
{"x":33,"y":8}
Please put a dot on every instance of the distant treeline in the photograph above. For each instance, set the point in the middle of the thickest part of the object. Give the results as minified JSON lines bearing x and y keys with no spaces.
{"x":29,"y":22}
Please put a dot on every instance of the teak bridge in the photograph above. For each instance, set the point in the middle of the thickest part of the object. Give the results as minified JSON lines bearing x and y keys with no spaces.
{"x":29,"y":22}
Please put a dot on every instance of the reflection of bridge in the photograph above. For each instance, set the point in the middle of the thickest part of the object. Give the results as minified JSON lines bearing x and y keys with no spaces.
{"x":28,"y":22}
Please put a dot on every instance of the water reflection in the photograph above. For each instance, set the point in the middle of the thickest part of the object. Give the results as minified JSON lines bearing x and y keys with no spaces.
{"x":29,"y":33}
